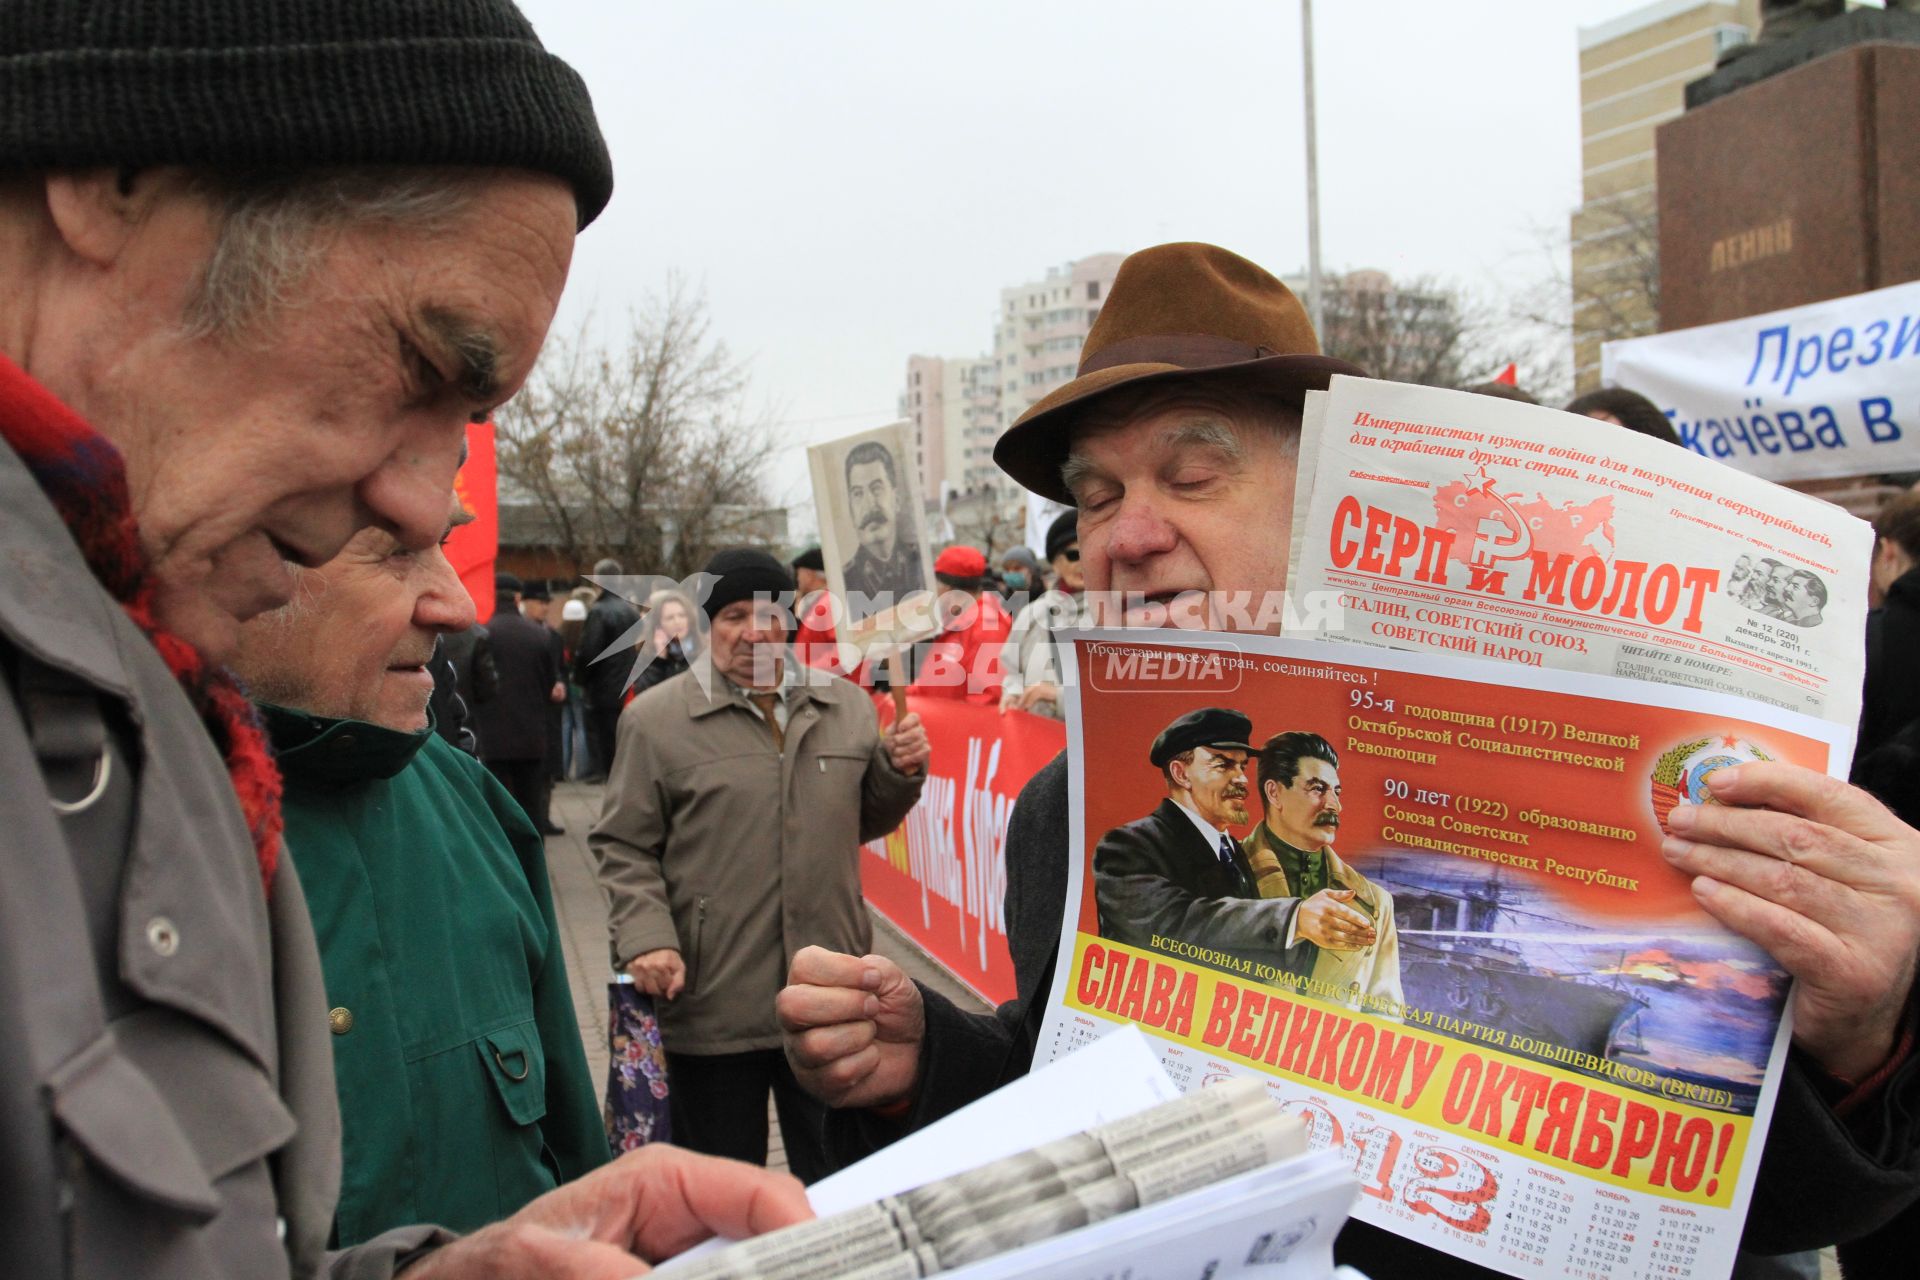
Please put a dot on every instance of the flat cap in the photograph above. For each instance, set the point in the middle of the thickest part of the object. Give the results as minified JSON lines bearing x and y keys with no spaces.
{"x":1216,"y":727}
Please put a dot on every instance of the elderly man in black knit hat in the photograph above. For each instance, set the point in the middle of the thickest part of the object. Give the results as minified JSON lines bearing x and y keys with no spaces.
{"x":741,"y":792}
{"x":263,"y":264}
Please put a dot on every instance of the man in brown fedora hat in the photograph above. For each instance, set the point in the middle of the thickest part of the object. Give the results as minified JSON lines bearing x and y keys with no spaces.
{"x":1178,"y":443}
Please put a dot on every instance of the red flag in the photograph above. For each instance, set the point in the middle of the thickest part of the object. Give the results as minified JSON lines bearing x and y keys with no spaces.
{"x":1509,"y":375}
{"x":474,"y":545}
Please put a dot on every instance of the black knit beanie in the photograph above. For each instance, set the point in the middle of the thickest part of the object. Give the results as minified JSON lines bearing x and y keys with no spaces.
{"x":1062,"y":533}
{"x":742,"y":573}
{"x":292,"y":84}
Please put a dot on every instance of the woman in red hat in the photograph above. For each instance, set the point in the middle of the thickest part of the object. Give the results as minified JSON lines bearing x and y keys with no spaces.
{"x":963,"y":661}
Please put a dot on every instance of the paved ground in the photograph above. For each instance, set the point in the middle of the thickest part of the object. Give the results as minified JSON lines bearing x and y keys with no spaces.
{"x":583,"y":925}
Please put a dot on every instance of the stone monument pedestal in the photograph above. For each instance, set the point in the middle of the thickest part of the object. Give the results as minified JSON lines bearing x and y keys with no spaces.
{"x":1795,"y":174}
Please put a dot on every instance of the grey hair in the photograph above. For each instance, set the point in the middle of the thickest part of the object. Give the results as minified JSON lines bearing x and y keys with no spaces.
{"x":274,"y":228}
{"x":1217,"y":417}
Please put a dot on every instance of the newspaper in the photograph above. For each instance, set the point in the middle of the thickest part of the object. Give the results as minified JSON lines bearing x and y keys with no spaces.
{"x":1460,"y":523}
{"x":1207,"y":1183}
{"x":1534,"y":1048}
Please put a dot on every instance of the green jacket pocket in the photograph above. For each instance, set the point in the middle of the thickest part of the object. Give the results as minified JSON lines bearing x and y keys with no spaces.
{"x":518,"y":1070}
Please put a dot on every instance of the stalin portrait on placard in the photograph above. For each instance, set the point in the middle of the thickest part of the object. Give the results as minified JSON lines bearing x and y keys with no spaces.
{"x":886,"y":567}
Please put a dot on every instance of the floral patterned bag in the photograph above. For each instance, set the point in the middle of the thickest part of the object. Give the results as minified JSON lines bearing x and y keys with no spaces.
{"x":636,"y":1108}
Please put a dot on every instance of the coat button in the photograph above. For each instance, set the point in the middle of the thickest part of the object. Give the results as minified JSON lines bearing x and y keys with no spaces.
{"x":340,"y":1020}
{"x":162,"y":936}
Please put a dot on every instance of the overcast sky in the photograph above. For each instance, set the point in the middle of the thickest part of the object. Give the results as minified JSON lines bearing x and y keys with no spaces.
{"x":852,"y":183}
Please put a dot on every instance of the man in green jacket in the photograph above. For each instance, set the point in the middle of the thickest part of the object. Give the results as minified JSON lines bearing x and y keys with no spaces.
{"x":464,"y":1089}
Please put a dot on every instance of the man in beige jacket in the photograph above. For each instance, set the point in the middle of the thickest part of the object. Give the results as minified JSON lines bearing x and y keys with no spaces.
{"x":742,"y":791}
{"x":1342,"y":935}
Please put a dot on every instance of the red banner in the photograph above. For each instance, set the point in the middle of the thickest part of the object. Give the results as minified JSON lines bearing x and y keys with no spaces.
{"x":472,"y":548}
{"x":942,"y":877}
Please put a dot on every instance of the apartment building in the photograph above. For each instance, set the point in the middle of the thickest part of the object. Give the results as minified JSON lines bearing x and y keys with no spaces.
{"x":959,"y":406}
{"x":1633,"y":76}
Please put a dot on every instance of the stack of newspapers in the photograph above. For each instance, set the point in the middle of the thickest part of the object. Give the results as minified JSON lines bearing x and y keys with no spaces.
{"x":1201,"y":1185}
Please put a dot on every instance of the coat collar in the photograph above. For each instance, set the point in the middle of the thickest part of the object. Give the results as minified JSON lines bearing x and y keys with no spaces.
{"x":1906,"y":587}
{"x":189,"y":863}
{"x":1173,"y":817}
{"x":49,"y":603}
{"x":707,"y":691}
{"x":319,"y":749}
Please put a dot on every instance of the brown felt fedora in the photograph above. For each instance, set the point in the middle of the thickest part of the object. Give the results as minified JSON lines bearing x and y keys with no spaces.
{"x":1176,"y":313}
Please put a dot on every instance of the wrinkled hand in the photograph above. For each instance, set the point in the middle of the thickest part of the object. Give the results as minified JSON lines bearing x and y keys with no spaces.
{"x":1326,"y":920}
{"x":1034,"y":694}
{"x":853,"y":1027}
{"x":1827,"y":881}
{"x":659,"y":973}
{"x":907,"y":745}
{"x":644,"y":1207}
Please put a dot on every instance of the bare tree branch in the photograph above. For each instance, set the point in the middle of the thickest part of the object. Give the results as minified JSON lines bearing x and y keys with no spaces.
{"x":643,"y":450}
{"x":1602,"y":282}
{"x":1403,"y":331}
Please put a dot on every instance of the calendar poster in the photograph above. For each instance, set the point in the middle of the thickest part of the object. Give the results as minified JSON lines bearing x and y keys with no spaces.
{"x":1423,"y":896}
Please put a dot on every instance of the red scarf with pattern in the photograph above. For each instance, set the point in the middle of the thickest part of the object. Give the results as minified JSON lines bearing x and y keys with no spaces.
{"x":84,"y":477}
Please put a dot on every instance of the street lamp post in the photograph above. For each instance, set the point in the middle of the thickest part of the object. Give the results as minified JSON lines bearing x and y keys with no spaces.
{"x":1315,"y":306}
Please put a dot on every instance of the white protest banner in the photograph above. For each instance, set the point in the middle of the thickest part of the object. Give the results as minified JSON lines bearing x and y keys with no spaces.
{"x":1830,"y":389}
{"x":1041,"y":513}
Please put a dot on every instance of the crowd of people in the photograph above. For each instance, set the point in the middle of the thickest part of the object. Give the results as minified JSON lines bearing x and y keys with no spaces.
{"x":277,"y":943}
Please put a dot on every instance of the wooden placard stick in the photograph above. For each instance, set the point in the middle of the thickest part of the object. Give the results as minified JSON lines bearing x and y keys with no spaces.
{"x":897,"y":683}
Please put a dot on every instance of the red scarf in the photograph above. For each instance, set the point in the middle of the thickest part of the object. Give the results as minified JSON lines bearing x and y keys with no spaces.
{"x":83,"y":475}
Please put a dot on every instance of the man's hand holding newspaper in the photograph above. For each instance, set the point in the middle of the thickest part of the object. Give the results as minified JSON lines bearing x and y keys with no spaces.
{"x":1824,"y":878}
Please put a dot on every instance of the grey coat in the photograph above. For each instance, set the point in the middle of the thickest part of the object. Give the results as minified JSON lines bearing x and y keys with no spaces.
{"x":716,"y":845}
{"x":167,"y":1105}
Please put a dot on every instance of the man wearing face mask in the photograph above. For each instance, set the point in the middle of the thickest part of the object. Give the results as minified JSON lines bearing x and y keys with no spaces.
{"x":1022,"y":576}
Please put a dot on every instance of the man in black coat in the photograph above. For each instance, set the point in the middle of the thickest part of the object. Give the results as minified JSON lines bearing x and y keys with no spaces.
{"x":536,"y":602}
{"x":1891,"y":698}
{"x":513,"y":724}
{"x":1886,"y":759}
{"x":605,"y":682}
{"x":451,"y":719}
{"x":1843,"y":1154}
{"x":1178,"y":872}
